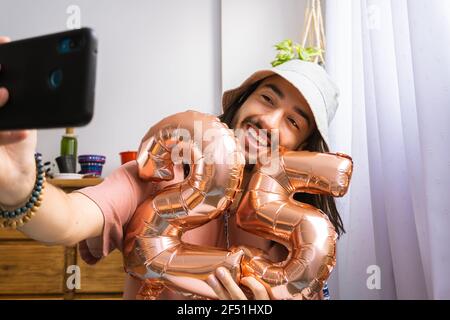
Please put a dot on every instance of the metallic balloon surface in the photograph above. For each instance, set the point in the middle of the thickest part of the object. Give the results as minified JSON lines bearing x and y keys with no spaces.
{"x":154,"y":252}
{"x":269,"y":210}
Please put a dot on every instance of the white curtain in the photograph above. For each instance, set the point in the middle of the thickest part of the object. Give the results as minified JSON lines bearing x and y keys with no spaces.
{"x":391,"y":60}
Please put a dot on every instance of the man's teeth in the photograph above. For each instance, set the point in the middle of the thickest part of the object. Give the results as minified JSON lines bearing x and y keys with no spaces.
{"x":257,"y":137}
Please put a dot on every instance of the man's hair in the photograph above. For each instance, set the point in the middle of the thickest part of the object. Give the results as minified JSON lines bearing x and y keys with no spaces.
{"x":315,"y":143}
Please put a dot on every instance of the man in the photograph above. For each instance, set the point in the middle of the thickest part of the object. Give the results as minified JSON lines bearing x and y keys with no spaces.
{"x":297,"y":100}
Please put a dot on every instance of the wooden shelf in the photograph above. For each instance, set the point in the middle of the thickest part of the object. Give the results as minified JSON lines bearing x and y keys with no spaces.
{"x":75,"y":183}
{"x":31,"y":270}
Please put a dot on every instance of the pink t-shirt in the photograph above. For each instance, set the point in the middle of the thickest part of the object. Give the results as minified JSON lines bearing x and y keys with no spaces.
{"x":118,"y":197}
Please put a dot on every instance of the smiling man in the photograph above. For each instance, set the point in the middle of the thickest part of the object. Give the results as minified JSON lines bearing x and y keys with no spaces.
{"x":275,"y":107}
{"x":292,"y":106}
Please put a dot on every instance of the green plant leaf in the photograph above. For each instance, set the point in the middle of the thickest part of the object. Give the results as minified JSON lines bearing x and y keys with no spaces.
{"x":288,"y":50}
{"x":303,"y":55}
{"x":285,"y":55}
{"x":277,"y":63}
{"x":314,"y":51}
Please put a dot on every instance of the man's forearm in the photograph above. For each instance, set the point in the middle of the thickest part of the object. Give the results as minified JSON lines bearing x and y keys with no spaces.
{"x":63,"y":218}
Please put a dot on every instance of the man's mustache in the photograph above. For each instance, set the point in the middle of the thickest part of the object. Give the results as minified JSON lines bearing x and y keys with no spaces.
{"x":254,"y":122}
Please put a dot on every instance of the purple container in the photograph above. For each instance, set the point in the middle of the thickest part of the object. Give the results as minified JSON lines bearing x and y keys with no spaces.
{"x":91,"y":158}
{"x":91,"y":164}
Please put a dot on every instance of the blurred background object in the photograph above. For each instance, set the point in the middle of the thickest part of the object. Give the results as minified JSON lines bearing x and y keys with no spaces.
{"x":127,"y":156}
{"x":67,"y":164}
{"x":91,"y":164}
{"x":69,"y":143}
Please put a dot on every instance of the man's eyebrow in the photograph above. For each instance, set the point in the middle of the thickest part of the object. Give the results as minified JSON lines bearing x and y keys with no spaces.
{"x":302,"y":114}
{"x":275,"y":89}
{"x":280,"y":94}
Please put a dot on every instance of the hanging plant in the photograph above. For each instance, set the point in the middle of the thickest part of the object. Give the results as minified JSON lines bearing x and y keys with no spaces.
{"x":288,"y":50}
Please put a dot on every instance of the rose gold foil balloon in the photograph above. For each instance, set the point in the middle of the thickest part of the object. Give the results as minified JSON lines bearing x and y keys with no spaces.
{"x":153,"y":250}
{"x":268,"y":210}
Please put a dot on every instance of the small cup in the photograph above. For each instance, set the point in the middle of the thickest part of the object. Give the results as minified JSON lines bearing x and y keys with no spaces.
{"x":67,"y":164}
{"x":127,"y":156}
{"x":91,"y":164}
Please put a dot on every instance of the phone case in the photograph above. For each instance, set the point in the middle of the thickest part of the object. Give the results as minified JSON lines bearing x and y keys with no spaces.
{"x":50,"y":79}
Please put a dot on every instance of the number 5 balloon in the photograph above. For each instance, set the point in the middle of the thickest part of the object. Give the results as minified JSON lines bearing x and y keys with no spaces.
{"x":269,"y":210}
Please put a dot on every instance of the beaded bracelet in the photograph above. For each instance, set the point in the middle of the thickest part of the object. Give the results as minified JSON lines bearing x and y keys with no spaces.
{"x":17,"y":217}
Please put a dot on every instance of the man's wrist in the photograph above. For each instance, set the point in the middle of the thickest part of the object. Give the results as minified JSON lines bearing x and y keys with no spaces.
{"x":22,"y":213}
{"x":20,"y":198}
{"x":21,"y":186}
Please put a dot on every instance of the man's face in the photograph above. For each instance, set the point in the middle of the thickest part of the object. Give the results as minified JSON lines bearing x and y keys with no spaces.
{"x":274,"y":105}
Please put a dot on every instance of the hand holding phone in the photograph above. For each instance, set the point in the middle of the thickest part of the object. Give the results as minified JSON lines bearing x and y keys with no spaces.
{"x":17,"y":169}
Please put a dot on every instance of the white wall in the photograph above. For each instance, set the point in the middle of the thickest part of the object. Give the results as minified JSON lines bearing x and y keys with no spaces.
{"x":158,"y":57}
{"x":155,"y":58}
{"x":250,"y":29}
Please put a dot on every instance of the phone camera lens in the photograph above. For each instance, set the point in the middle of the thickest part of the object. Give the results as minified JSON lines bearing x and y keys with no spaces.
{"x":64,"y":46}
{"x":55,"y":78}
{"x":67,"y":45}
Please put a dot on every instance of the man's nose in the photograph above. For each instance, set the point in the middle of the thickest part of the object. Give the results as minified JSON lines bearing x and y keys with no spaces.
{"x":272,"y":119}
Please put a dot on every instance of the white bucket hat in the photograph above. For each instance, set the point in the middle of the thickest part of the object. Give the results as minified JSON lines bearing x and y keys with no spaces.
{"x":310,"y":79}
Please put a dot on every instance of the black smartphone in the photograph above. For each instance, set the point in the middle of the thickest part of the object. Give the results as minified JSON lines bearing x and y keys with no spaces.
{"x":50,"y":79}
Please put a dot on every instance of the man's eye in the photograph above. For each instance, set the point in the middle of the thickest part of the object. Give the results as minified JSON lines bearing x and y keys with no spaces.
{"x":267,"y":98}
{"x":292,"y":121}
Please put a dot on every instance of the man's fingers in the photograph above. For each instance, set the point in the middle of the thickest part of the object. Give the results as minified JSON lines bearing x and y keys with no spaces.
{"x":227,"y":281}
{"x":217,"y":287}
{"x":258,"y":289}
{"x":4,"y":39}
{"x":4,"y":96}
{"x":8,"y":137}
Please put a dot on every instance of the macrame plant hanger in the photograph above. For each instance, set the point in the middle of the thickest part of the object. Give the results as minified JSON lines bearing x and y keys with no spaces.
{"x":313,"y":31}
